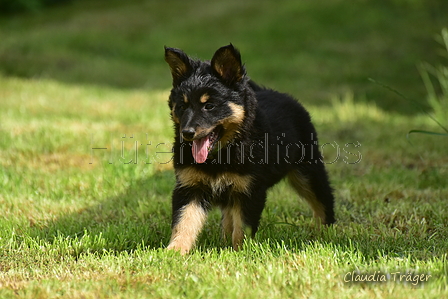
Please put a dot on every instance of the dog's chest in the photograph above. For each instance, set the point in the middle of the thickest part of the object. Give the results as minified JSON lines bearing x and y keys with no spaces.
{"x":218,"y":183}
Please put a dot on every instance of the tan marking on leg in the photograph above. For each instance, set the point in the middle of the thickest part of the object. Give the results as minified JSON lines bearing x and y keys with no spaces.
{"x":238,"y":232}
{"x":303,"y":188}
{"x":232,"y":225}
{"x":204,"y":98}
{"x":185,"y":99}
{"x":226,"y":223}
{"x":188,"y":227}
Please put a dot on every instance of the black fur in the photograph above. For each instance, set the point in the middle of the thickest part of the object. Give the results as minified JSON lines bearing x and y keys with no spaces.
{"x":263,"y":135}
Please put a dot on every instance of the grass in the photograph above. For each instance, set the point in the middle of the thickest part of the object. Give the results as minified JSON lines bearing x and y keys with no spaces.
{"x":311,"y":51}
{"x":437,"y":99}
{"x":81,"y":223}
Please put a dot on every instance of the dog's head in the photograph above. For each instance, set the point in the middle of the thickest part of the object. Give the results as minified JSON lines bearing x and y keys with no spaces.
{"x":207,"y":101}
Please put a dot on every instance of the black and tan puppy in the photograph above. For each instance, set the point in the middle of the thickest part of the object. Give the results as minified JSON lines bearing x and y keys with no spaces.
{"x":234,"y":140}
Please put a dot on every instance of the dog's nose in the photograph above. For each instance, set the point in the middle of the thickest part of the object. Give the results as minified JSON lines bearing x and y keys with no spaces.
{"x":188,"y":133}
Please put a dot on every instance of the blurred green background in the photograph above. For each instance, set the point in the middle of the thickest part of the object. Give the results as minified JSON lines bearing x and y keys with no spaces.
{"x":311,"y":49}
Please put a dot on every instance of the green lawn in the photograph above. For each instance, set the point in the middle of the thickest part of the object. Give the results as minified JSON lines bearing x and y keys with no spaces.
{"x":79,"y":222}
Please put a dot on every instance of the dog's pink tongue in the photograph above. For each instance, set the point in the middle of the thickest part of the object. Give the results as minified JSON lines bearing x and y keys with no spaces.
{"x":200,"y":149}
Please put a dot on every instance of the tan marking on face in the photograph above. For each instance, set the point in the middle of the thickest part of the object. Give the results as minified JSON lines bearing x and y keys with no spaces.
{"x":173,"y":114}
{"x":190,"y":177}
{"x":204,"y":98}
{"x":232,"y":123}
{"x":201,"y":133}
{"x":185,"y":99}
{"x":187,"y":229}
{"x":238,"y":113}
{"x":302,"y":186}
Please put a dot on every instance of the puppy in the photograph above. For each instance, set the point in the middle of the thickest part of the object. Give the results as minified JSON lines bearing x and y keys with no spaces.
{"x":233,"y":141}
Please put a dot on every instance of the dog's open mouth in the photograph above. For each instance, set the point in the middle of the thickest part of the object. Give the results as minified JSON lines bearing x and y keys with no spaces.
{"x":202,"y":147}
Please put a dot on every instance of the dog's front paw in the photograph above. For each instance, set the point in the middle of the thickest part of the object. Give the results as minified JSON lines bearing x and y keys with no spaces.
{"x":181,"y":248}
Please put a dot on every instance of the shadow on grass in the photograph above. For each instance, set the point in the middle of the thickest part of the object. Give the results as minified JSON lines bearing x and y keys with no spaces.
{"x":140,"y":217}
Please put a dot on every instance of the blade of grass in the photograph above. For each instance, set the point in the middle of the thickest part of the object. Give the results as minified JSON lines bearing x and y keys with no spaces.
{"x":410,"y":100}
{"x":425,"y":132}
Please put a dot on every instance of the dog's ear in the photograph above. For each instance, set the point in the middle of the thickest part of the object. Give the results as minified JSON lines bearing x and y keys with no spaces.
{"x":179,"y":63}
{"x":226,"y":63}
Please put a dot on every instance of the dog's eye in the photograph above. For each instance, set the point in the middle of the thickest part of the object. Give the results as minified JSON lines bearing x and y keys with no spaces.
{"x":182,"y":108}
{"x":209,"y":106}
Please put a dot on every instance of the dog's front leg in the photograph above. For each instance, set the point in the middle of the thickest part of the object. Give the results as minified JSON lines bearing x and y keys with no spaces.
{"x":233,"y":225}
{"x":241,"y":216}
{"x":188,"y":219}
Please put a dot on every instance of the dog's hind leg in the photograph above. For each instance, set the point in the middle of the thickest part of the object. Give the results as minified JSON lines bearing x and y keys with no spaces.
{"x":232,"y":225}
{"x":311,"y":183}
